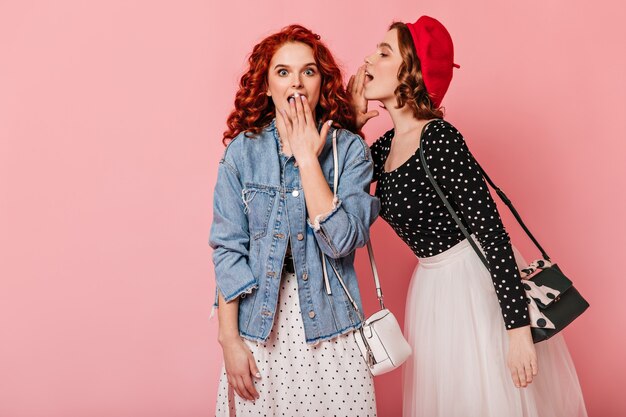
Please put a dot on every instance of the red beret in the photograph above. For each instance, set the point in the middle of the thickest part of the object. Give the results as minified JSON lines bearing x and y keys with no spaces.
{"x":435,"y":51}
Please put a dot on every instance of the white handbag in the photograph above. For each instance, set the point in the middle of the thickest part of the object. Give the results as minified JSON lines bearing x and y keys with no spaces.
{"x":380,"y":338}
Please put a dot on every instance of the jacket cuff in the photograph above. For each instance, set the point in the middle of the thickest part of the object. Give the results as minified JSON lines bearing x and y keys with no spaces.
{"x":215,"y":304}
{"x":321,"y":218}
{"x":245,"y":289}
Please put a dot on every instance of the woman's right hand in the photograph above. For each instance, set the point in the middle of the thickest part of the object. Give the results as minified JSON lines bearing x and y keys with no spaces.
{"x":522,"y":356}
{"x":240,"y":367}
{"x":359,"y":102}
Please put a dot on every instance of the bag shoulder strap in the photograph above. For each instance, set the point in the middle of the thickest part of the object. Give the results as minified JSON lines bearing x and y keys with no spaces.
{"x":509,"y":204}
{"x":453,"y":213}
{"x":370,"y":250}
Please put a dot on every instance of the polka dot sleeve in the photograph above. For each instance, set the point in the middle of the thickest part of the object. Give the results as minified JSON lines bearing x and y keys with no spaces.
{"x":457,"y":173}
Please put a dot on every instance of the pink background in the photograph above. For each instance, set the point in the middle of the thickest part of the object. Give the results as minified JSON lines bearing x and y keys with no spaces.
{"x":111,"y":116}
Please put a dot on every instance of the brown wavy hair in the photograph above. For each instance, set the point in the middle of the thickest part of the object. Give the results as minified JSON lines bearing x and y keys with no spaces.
{"x":412,"y":90}
{"x":254,"y":109}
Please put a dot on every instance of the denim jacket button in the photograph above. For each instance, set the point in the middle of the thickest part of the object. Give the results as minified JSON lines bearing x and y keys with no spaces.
{"x":266,"y":313}
{"x":300,"y":236}
{"x":295,"y":193}
{"x":311,"y":314}
{"x":305,"y":276}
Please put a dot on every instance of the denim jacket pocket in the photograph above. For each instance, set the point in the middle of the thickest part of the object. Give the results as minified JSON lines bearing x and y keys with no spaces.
{"x":258,"y":201}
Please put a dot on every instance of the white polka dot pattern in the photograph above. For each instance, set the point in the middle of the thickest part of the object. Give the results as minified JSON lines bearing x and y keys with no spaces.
{"x":327,"y":379}
{"x":411,"y":206}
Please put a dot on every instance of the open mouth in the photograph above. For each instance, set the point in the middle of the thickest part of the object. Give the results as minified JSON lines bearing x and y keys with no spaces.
{"x":294,"y":96}
{"x":368,"y":77}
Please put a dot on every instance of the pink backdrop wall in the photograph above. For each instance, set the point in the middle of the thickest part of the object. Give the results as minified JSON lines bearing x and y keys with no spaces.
{"x":111,"y":116}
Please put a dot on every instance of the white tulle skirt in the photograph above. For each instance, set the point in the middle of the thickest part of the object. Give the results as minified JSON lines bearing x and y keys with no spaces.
{"x":460,"y":345}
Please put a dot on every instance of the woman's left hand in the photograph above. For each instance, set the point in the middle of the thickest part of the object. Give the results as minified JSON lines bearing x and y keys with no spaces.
{"x":355,"y":87}
{"x":302,"y":136}
{"x":522,"y":357}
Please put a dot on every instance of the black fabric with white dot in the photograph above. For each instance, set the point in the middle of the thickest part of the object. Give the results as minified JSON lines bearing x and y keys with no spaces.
{"x":411,"y":206}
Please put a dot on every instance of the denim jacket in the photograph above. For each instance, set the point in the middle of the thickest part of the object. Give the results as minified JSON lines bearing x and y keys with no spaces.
{"x":259,"y":206}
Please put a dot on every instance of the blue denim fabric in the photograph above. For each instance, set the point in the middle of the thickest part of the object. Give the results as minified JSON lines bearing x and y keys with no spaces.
{"x":259,"y":204}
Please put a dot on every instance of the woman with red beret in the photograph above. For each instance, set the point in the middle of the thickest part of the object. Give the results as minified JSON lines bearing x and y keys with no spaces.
{"x":473,"y":354}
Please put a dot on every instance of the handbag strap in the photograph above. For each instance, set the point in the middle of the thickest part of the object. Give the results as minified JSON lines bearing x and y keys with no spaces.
{"x":370,"y":250}
{"x":456,"y":218}
{"x":509,"y":204}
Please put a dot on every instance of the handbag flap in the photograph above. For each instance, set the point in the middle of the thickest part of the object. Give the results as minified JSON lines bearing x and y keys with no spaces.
{"x":551,"y":283}
{"x":381,"y":314}
{"x":552,"y":277}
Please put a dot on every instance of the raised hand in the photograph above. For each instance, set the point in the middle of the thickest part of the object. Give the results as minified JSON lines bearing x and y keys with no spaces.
{"x":359,"y":102}
{"x":304,"y":141}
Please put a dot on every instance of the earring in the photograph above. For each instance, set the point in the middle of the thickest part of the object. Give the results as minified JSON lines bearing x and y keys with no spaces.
{"x":268,"y":93}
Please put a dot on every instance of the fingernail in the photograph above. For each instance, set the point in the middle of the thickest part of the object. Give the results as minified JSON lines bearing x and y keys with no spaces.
{"x":296,"y":94}
{"x":330,"y":122}
{"x":303,"y":98}
{"x":258,"y":375}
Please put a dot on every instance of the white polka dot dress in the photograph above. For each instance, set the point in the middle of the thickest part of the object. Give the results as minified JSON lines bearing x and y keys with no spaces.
{"x":297,"y":379}
{"x":411,"y":206}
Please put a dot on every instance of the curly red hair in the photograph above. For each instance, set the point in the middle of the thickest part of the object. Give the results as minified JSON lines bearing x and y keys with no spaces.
{"x":253,"y":108}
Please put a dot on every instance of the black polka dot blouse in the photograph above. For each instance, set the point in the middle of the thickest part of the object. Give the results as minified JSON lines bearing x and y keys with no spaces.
{"x":411,"y":206}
